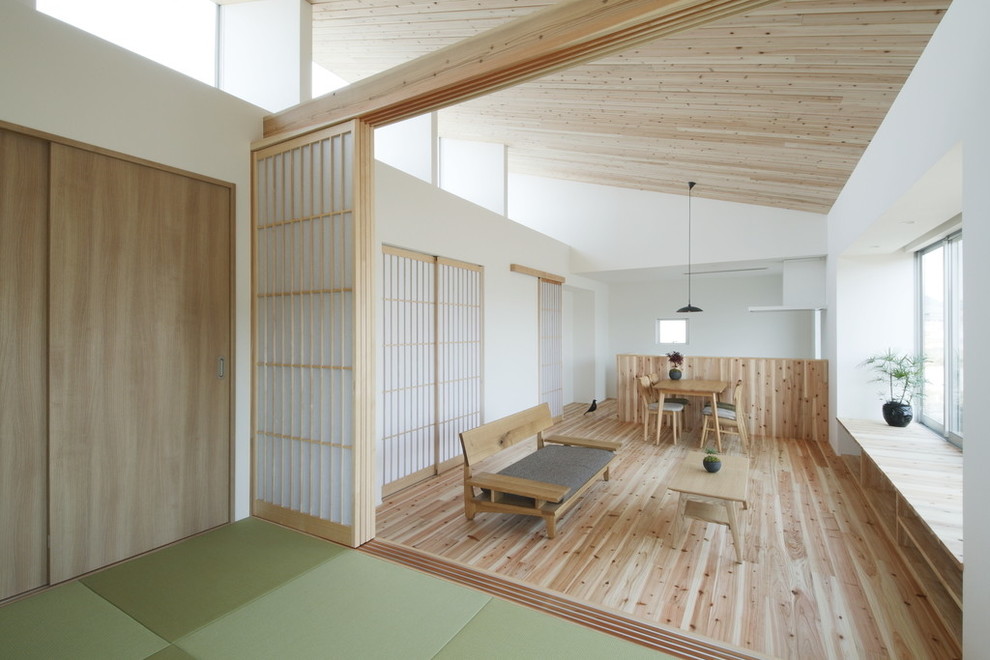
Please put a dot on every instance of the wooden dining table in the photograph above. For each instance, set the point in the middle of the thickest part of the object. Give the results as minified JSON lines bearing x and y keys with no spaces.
{"x":707,"y":389}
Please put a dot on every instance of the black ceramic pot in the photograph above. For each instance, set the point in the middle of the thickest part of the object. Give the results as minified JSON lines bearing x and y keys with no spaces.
{"x":897,"y":414}
{"x":675,"y":374}
{"x":712,"y":466}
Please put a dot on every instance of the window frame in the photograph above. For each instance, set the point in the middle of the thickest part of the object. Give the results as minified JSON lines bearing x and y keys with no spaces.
{"x":657,"y":332}
{"x":951,"y":426}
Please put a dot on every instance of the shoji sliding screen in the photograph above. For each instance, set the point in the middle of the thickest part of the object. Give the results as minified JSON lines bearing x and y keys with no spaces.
{"x":459,"y":355}
{"x":313,"y":379}
{"x":551,"y":346}
{"x":409,"y":367}
{"x":432,"y":366}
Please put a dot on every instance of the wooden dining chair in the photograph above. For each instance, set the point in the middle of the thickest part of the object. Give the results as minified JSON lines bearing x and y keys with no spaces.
{"x":731,"y":418}
{"x":650,"y":401}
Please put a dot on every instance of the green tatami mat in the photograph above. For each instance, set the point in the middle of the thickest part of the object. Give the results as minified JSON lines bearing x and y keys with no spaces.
{"x":354,"y":606}
{"x":179,"y":589}
{"x":71,"y":621}
{"x":506,"y":630}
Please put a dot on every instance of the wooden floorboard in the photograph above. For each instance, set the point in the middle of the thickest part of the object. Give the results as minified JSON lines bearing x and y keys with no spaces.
{"x":818,"y":578}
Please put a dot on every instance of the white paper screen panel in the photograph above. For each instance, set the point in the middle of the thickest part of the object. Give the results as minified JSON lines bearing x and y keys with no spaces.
{"x":459,"y":342}
{"x":304,"y":251}
{"x":409,"y":365}
{"x":432,"y":370}
{"x":551,"y":346}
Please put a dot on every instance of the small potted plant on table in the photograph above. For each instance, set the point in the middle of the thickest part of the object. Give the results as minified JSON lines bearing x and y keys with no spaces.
{"x":675,"y":360}
{"x":711,"y":461}
{"x":904,"y":376}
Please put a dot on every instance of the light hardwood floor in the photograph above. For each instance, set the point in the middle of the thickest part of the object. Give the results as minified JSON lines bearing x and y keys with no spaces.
{"x":818,"y":578}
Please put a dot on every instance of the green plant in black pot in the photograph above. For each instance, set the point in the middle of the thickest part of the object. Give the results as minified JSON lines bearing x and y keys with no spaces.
{"x":904,"y":375}
{"x":711,"y":461}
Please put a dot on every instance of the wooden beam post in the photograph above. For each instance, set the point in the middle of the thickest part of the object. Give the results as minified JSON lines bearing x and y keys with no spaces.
{"x":553,"y":38}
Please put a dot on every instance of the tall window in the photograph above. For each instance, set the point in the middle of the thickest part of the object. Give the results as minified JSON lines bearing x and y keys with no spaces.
{"x":941,"y":336}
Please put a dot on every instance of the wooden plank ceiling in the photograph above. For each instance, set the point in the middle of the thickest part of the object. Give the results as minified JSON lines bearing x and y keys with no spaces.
{"x":772,"y":107}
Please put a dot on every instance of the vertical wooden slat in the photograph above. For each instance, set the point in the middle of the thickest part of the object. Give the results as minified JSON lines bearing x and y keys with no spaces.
{"x":364,"y":406}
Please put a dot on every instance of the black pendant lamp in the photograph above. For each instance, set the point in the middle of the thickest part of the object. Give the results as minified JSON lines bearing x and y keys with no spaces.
{"x":689,"y":307}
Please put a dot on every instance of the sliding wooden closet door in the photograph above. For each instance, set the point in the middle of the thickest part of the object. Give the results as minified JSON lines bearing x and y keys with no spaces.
{"x":140,"y":317}
{"x":23,"y":363}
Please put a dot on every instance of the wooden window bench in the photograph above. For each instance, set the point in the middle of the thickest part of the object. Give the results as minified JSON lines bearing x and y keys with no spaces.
{"x":544,"y":483}
{"x":912,"y":479}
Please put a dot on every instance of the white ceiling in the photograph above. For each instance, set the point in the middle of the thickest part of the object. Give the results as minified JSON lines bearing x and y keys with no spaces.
{"x":934,"y":200}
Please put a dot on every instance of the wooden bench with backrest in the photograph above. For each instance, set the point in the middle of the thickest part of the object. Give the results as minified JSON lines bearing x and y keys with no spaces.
{"x":543,"y":483}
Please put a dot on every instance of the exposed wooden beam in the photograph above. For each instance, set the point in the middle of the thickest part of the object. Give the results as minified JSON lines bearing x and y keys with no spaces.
{"x":541,"y":274}
{"x":547,"y":40}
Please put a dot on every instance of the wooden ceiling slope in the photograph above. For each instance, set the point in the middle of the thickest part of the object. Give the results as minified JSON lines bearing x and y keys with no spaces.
{"x":772,"y":107}
{"x":551,"y":39}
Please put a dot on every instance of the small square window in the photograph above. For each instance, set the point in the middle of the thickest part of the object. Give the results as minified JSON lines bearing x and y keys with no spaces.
{"x":672,"y":331}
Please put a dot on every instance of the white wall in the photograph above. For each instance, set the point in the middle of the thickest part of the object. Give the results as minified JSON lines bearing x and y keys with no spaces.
{"x":725,"y":328}
{"x":410,"y":146}
{"x":475,"y":171}
{"x":877,"y":312}
{"x":415,"y":215}
{"x":618,"y":229}
{"x":803,"y":283}
{"x":943,"y":103}
{"x":266,"y":52}
{"x":69,"y":83}
{"x":580,"y":383}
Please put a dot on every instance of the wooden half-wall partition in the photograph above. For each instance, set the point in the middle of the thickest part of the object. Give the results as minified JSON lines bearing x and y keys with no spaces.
{"x":783,"y":397}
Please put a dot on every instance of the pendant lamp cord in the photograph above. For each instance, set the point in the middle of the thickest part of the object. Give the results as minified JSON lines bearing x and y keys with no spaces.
{"x":690,"y":186}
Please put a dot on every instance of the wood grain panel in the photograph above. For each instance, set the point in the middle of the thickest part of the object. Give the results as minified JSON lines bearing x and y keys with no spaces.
{"x":783,"y":398}
{"x":23,"y":363}
{"x":770,"y":107}
{"x":820,"y":578}
{"x":913,"y":479}
{"x":365,"y":482}
{"x":531,"y":46}
{"x":140,"y":314}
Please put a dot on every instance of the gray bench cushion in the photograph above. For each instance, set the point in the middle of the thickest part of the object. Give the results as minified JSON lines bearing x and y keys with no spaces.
{"x":564,"y":466}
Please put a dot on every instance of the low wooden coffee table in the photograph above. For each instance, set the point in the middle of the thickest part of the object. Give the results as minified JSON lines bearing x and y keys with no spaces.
{"x":711,"y":497}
